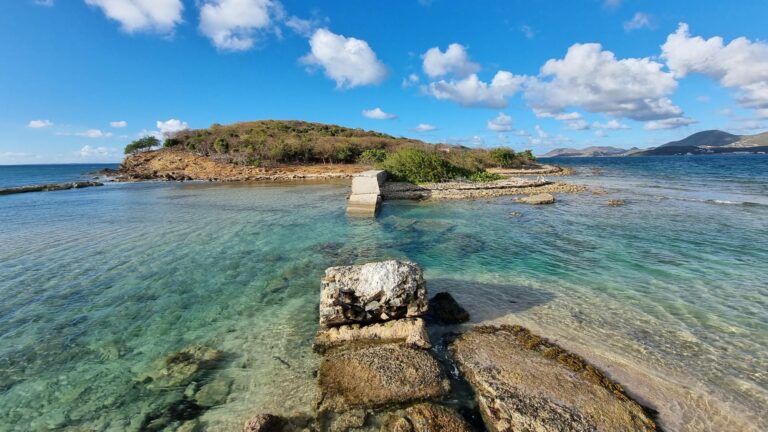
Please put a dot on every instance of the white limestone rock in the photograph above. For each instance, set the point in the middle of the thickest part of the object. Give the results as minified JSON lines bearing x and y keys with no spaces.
{"x":372,"y":292}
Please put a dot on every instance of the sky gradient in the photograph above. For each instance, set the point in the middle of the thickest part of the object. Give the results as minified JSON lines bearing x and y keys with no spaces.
{"x":82,"y":78}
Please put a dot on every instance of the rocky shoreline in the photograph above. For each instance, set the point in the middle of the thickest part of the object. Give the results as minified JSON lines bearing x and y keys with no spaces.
{"x":380,"y":372}
{"x":174,"y":165}
{"x":456,"y":190}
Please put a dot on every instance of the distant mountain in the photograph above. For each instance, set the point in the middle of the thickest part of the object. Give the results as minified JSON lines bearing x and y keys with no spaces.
{"x":710,"y":138}
{"x":705,"y":142}
{"x":712,"y":141}
{"x":589,"y":152}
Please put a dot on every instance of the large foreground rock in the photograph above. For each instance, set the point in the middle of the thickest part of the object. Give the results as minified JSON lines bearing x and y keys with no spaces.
{"x":378,"y":376}
{"x":524,"y":383}
{"x":372,"y":292}
{"x":410,"y":331}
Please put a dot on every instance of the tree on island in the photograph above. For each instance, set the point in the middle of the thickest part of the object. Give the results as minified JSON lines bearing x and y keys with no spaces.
{"x":142,"y":144}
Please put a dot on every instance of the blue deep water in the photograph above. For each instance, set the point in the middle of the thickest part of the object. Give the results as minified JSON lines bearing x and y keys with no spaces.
{"x":668,"y":293}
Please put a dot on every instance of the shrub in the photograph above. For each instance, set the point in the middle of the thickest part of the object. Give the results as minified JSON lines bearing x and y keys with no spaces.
{"x":171,"y":142}
{"x":484,"y":176}
{"x":504,"y":158}
{"x":372,"y":157}
{"x":142,"y":144}
{"x":221,"y":146}
{"x":343,"y":152}
{"x":528,"y":155}
{"x":418,"y":166}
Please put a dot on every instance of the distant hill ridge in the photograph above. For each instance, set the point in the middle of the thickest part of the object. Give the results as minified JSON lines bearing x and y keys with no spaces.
{"x":705,"y":142}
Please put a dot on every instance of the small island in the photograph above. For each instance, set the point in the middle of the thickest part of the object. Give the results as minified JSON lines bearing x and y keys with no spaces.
{"x":272,"y":150}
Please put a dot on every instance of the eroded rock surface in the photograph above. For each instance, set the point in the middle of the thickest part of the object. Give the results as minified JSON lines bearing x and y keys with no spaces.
{"x":426,"y":417}
{"x":523,"y":382}
{"x":264,"y":423}
{"x":372,"y":292}
{"x":378,"y":376}
{"x":410,"y":331}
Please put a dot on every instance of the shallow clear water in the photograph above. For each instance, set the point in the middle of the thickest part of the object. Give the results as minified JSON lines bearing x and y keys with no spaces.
{"x":668,"y":293}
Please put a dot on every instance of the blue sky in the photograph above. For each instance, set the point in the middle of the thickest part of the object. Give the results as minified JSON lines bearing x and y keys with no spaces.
{"x":82,"y":78}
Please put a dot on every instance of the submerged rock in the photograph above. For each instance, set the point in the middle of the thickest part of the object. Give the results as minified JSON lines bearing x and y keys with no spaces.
{"x":445,"y":308}
{"x":372,"y":292}
{"x":264,"y":423}
{"x":410,"y":331}
{"x":214,"y":393}
{"x":523,"y":382}
{"x":615,"y":202}
{"x":427,"y":417}
{"x":180,"y":368}
{"x":378,"y":376}
{"x":537,"y":199}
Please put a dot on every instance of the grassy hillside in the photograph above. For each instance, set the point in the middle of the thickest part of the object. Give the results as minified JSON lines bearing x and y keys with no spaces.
{"x":274,"y":142}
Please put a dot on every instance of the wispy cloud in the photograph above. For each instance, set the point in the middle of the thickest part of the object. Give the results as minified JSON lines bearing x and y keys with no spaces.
{"x":39,"y":124}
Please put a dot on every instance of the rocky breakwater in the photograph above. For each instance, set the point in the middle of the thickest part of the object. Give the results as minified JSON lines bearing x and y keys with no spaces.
{"x":475,"y":190}
{"x":49,"y":187}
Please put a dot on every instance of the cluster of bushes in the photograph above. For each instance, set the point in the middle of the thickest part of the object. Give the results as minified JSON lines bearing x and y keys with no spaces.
{"x":287,"y":142}
{"x":420,"y":166}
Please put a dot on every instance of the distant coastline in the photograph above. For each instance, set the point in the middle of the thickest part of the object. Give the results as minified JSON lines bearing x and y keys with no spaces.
{"x":705,"y":142}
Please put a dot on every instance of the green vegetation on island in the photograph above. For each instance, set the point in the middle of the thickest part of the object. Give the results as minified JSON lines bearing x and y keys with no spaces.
{"x":272,"y":142}
{"x":142,"y":144}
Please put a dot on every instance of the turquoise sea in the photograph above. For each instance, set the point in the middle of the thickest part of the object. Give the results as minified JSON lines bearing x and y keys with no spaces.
{"x":668,"y":293}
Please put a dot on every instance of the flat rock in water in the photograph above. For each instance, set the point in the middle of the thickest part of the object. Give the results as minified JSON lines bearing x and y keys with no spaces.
{"x":372,"y":292}
{"x":410,"y":331}
{"x":445,"y":308}
{"x":525,"y":383}
{"x":378,"y":376}
{"x":538,"y":199}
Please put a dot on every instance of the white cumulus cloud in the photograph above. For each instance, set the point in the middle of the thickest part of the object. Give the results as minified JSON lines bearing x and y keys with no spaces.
{"x":142,"y":15}
{"x":454,"y":60}
{"x":424,"y":127}
{"x":171,"y":126}
{"x":500,"y":123}
{"x":472,"y":92}
{"x":740,"y":64}
{"x":349,"y":61}
{"x":378,"y":114}
{"x":670,"y":123}
{"x":595,"y":80}
{"x":118,"y":124}
{"x":39,"y":124}
{"x":233,"y":24}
